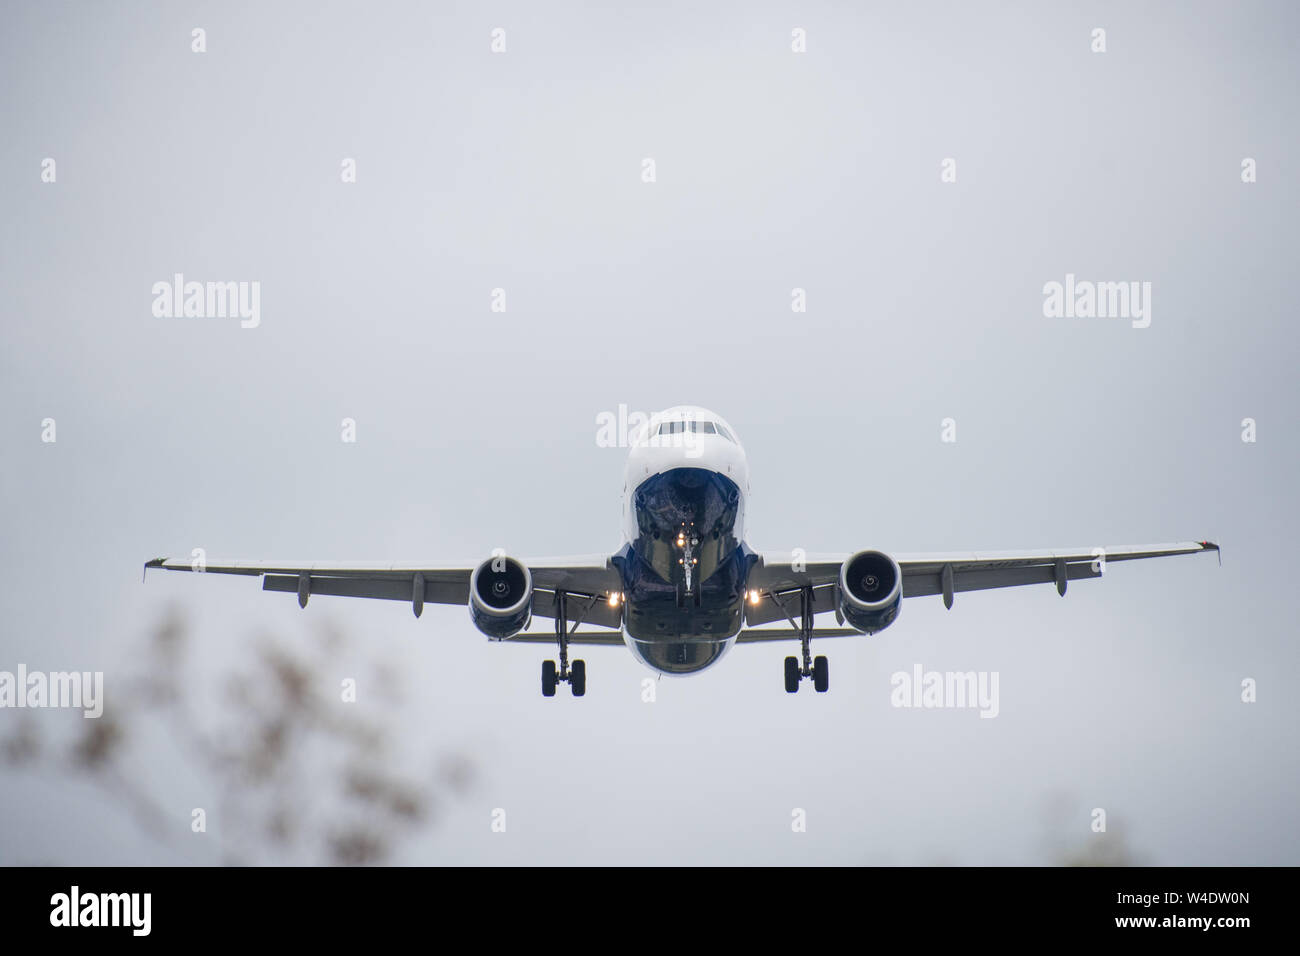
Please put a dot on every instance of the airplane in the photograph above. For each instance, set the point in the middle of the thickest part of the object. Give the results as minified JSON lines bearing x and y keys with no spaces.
{"x":684,"y":587}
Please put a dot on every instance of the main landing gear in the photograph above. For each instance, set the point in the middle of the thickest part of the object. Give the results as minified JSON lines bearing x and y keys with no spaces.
{"x":576,"y":676}
{"x":819,"y":669}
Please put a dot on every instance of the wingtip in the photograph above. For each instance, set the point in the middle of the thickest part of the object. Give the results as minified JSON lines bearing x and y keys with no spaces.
{"x":154,"y":563}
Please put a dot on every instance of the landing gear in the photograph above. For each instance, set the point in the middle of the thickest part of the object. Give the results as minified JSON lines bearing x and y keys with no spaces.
{"x":820,"y":669}
{"x":687,"y":540}
{"x":576,"y":676}
{"x":791,"y":675}
{"x":821,"y":675}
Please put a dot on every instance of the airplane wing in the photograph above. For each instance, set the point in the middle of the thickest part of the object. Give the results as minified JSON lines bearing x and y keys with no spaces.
{"x":946,"y":574}
{"x":589,"y":580}
{"x":589,"y":577}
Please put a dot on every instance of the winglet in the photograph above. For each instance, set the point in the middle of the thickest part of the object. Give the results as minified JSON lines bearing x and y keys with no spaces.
{"x":155,"y":563}
{"x":1211,"y":546}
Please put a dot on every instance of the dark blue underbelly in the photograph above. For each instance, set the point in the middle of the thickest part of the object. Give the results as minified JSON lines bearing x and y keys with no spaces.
{"x":680,"y":625}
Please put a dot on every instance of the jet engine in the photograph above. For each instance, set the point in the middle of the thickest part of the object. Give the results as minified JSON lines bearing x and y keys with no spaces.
{"x":501,"y":597}
{"x":870,"y":590}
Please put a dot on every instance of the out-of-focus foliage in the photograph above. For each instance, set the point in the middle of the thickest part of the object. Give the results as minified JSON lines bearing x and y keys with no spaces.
{"x":294,"y":775}
{"x":1071,"y":840}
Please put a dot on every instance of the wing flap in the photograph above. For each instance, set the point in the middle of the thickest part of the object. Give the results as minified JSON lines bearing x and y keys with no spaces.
{"x":592,"y":638}
{"x":752,"y":635}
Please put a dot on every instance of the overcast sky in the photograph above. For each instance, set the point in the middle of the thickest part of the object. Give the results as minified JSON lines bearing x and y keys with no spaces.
{"x":774,"y":170}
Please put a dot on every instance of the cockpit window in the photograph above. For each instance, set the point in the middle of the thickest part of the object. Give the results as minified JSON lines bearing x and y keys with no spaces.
{"x":695,"y":427}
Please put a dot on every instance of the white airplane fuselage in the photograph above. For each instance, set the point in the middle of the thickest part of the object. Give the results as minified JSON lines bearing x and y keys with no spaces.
{"x":684,"y":560}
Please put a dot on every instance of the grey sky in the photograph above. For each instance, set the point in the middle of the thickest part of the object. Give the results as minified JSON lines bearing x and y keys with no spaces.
{"x":476,"y":430}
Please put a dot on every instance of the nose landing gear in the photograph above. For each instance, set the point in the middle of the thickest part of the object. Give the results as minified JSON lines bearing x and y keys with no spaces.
{"x":687,"y":540}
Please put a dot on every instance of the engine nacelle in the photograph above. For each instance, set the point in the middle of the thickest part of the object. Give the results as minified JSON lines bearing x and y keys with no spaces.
{"x":870,"y":591}
{"x":501,"y":597}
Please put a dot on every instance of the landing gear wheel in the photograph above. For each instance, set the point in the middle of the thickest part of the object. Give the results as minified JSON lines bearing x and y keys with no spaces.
{"x":791,"y":675}
{"x":548,"y":678}
{"x":578,"y":678}
{"x":821,"y":675}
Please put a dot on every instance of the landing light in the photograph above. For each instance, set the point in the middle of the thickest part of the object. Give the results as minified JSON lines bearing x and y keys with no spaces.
{"x":615,"y":597}
{"x":753,"y":597}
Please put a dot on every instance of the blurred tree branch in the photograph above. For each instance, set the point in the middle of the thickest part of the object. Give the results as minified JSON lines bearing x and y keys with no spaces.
{"x":297,"y":775}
